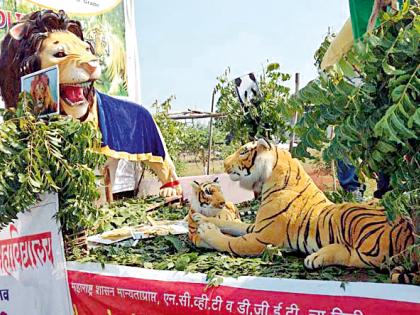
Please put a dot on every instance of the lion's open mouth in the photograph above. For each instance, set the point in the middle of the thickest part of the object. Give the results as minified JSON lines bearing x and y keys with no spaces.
{"x":76,"y":94}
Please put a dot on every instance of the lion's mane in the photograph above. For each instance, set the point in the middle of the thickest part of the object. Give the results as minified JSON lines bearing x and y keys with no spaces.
{"x":48,"y":102}
{"x":21,"y":57}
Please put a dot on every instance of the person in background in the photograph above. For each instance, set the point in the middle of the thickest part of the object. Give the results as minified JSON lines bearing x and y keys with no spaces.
{"x":347,"y":177}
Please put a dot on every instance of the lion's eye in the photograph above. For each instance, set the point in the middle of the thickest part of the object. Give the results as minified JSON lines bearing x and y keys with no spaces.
{"x":60,"y":54}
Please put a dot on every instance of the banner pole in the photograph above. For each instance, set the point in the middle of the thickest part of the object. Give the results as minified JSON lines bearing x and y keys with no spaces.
{"x":210,"y":133}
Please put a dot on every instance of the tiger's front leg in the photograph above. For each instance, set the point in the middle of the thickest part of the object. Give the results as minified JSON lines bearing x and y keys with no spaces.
{"x":235,"y":228}
{"x":252,"y":244}
{"x":268,"y":229}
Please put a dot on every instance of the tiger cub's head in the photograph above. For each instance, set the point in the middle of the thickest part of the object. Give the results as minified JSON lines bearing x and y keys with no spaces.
{"x":252,"y":164}
{"x":207,"y":198}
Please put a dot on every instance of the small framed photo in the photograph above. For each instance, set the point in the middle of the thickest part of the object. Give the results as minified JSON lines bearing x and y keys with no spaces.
{"x":41,"y":90}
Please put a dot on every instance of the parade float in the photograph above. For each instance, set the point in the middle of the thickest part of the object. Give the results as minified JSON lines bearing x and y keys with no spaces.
{"x":70,"y":254}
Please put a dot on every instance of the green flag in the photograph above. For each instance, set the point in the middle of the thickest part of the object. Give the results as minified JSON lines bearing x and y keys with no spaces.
{"x":360,"y":11}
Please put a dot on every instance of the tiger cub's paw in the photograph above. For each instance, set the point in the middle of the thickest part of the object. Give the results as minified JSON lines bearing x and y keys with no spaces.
{"x":313,"y":261}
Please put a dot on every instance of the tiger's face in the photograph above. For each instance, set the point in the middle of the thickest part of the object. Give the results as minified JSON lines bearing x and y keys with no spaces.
{"x":207,"y":198}
{"x":78,"y":69}
{"x":252,"y":164}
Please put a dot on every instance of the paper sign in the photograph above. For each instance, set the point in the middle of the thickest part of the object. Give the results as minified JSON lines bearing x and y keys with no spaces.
{"x":33,"y":277}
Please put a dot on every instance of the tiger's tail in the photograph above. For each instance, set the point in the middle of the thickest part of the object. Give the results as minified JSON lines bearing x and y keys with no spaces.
{"x":407,"y":276}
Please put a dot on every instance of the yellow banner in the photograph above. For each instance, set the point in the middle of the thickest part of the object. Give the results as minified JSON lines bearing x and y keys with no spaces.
{"x":79,"y":7}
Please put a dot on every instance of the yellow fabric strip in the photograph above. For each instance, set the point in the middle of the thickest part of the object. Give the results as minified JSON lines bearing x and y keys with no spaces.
{"x":339,"y":46}
{"x":129,"y":156}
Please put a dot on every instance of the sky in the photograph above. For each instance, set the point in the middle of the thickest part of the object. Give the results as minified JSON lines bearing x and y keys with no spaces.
{"x":185,"y":45}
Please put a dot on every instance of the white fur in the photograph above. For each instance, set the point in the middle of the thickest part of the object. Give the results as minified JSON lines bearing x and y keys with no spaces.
{"x":207,"y":210}
{"x":75,"y":73}
{"x":261,"y":170}
{"x":75,"y":111}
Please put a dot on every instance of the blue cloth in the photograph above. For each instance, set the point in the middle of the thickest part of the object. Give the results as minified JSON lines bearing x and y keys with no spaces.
{"x":128,"y":127}
{"x":347,"y":177}
{"x":382,"y":185}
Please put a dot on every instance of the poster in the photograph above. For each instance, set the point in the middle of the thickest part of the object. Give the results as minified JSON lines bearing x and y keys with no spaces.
{"x":118,"y":290}
{"x":42,"y":93}
{"x":33,"y":278}
{"x":107,"y":24}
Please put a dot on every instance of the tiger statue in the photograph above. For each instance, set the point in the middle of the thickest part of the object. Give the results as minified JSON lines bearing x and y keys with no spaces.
{"x":46,"y":38}
{"x":295,"y":214}
{"x":207,"y":199}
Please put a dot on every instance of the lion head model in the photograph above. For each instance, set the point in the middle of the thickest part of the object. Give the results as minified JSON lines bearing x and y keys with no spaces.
{"x":46,"y":38}
{"x":43,"y":39}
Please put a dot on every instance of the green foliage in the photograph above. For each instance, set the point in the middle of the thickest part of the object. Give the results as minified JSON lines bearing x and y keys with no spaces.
{"x":319,"y":54}
{"x":121,"y":213}
{"x":196,"y":142}
{"x":172,"y":131}
{"x":266,"y":119}
{"x":377,"y":121}
{"x":53,"y":156}
{"x":189,"y":140}
{"x":340,"y":196}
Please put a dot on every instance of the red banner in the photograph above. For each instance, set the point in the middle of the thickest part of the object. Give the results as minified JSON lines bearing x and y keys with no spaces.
{"x":94,"y":293}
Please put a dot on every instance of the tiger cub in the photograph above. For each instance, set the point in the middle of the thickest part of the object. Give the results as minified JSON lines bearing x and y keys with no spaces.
{"x":208,"y":200}
{"x":296,"y":215}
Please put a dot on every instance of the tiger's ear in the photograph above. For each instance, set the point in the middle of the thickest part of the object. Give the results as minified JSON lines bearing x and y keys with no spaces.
{"x":216,"y":180}
{"x":263,"y":144}
{"x":195,"y":185}
{"x":17,"y":31}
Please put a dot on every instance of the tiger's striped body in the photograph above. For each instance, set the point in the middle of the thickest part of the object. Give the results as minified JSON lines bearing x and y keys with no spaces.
{"x":295,"y":214}
{"x":208,"y":200}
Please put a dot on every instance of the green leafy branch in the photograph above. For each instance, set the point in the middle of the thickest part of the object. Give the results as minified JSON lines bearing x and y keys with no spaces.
{"x":57,"y":155}
{"x":376,"y":119}
{"x":268,"y":118}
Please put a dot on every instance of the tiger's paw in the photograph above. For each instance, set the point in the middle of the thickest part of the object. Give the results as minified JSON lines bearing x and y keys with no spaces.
{"x":313,"y":261}
{"x":201,"y":219}
{"x":203,"y":244}
{"x":208,"y":230}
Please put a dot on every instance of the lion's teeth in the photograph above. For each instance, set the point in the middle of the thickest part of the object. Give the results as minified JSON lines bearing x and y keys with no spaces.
{"x":83,"y":85}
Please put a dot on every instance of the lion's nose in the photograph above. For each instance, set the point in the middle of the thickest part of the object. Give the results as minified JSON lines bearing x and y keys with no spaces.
{"x":91,"y":66}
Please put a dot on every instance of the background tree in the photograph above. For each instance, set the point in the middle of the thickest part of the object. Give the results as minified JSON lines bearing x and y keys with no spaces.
{"x":377,"y":121}
{"x":267,"y":118}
